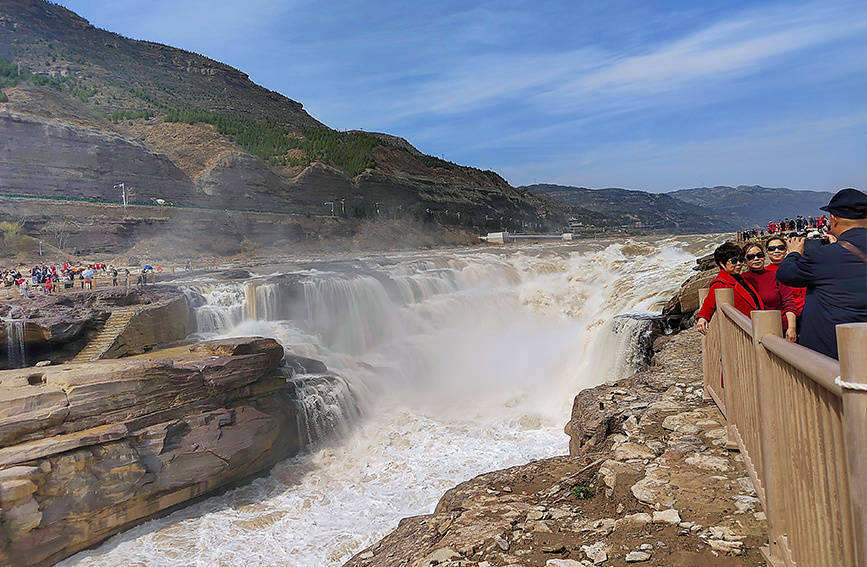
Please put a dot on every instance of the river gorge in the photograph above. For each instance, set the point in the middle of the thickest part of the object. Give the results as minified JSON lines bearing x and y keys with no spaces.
{"x":443,"y":365}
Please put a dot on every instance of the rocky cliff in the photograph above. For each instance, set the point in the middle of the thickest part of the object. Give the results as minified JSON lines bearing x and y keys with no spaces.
{"x":87,"y":450}
{"x":58,"y":159}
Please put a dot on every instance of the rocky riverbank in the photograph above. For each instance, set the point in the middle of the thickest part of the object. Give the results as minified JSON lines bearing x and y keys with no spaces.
{"x":56,"y":327}
{"x":648,"y":481}
{"x":88,"y":450}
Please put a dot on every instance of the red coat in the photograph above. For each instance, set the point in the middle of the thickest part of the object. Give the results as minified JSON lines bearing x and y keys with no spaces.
{"x":744,"y":302}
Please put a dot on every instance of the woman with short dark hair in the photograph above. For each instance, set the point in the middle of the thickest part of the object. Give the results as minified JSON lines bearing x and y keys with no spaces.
{"x":730,"y":259}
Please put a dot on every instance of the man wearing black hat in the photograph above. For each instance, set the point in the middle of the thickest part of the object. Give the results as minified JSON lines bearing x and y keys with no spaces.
{"x":835,"y":275}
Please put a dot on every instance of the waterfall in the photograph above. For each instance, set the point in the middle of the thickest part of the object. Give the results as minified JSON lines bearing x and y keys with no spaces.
{"x":327,"y":408}
{"x":15,"y":351}
{"x":441,"y":366}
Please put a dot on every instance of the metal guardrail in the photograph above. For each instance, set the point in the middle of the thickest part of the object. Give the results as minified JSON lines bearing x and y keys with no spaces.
{"x":165,"y":206}
{"x":803,"y":436}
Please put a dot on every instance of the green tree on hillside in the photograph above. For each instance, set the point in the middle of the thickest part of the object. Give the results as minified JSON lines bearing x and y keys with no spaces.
{"x":351,"y":152}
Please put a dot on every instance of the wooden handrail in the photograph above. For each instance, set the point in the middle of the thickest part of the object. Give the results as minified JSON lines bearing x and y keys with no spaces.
{"x":818,"y":367}
{"x":801,"y":435}
{"x":738,"y":318}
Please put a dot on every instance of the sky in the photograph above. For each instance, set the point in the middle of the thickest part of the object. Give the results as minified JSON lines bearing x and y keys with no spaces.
{"x":653,"y":96}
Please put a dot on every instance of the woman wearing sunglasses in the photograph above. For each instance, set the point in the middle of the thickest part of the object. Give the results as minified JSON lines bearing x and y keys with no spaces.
{"x":776,"y":248}
{"x":773,"y":294}
{"x":730,"y":258}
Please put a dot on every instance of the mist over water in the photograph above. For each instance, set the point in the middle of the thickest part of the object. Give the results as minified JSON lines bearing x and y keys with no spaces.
{"x":444,"y":365}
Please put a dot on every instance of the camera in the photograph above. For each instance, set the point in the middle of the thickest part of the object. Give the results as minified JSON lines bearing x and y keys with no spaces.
{"x":813,"y":244}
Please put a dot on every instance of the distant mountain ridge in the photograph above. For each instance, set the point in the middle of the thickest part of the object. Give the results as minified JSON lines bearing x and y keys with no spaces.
{"x":756,"y":204}
{"x":700,"y":209}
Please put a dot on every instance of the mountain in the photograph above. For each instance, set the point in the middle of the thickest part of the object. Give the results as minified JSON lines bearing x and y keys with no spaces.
{"x":639,"y":209}
{"x":755,"y":204}
{"x":83,"y":109}
{"x":701,"y":209}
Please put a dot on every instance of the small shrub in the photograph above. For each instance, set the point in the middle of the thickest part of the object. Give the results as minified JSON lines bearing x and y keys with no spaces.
{"x":583,"y":492}
{"x":10,"y":229}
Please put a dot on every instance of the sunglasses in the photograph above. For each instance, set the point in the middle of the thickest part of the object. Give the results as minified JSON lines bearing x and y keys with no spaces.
{"x":756,"y":255}
{"x":779,"y":247}
{"x":736,"y":260}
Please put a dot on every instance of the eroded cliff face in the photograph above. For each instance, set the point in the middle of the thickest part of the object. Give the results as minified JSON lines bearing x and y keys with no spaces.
{"x":59,"y":159}
{"x":87,"y":450}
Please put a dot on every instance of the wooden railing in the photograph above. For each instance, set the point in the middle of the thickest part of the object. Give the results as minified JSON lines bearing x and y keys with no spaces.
{"x":800,"y":422}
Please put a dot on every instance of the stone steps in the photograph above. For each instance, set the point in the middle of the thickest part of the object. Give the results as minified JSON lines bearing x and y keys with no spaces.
{"x":111,"y":329}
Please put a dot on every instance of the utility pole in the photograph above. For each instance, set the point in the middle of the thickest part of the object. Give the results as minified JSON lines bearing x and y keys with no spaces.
{"x":332,"y":206}
{"x":122,"y":188}
{"x":343,"y":207}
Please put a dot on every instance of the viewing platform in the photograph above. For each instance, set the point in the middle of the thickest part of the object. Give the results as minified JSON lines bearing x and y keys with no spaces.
{"x":799,"y":419}
{"x":504,"y":237}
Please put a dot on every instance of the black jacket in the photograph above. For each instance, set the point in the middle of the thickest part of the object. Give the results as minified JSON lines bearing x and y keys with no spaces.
{"x":836,"y":282}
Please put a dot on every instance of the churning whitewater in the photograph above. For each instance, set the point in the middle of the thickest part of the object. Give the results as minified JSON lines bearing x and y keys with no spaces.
{"x":442,"y":365}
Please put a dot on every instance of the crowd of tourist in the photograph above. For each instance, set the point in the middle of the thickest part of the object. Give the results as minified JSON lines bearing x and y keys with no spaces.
{"x":810,"y":226}
{"x":815,"y":286}
{"x":49,"y":278}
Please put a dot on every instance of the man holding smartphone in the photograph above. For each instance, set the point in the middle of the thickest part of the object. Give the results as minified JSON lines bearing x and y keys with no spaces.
{"x":835,"y":275}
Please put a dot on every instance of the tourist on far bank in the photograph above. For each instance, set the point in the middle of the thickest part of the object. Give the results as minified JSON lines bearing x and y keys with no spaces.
{"x":835,"y":279}
{"x":773,"y":294}
{"x":730,"y":258}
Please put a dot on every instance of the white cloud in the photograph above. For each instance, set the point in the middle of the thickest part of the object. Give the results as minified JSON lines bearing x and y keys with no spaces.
{"x":734,"y":47}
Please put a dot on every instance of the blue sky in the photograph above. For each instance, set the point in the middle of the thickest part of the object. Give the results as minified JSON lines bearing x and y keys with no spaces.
{"x":645,"y":95}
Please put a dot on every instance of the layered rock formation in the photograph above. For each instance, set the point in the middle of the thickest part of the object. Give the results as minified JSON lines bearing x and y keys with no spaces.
{"x":87,"y":450}
{"x":58,"y":159}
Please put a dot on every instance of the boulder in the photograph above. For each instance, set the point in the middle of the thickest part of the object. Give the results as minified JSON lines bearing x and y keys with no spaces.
{"x":88,"y":450}
{"x":685,"y":301}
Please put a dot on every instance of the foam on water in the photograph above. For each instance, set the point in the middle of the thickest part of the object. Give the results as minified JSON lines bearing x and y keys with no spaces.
{"x":461,"y":363}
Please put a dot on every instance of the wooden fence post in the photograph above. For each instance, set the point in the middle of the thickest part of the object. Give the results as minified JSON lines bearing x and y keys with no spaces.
{"x":726,"y":296}
{"x":705,"y":392}
{"x":765,"y":323}
{"x":852,"y":344}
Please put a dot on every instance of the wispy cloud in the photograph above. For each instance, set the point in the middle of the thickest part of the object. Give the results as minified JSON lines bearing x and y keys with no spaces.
{"x":726,"y":50}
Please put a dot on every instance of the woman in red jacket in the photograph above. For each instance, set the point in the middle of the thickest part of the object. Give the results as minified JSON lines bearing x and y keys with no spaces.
{"x":773,"y":294}
{"x":730,"y":258}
